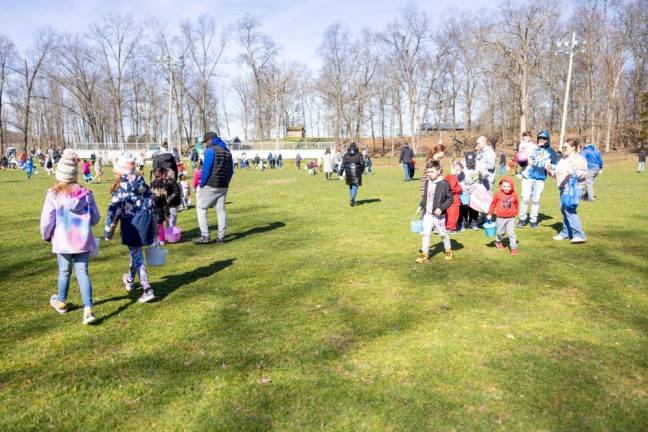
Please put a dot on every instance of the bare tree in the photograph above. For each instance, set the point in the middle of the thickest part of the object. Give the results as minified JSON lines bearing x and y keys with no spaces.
{"x":8,"y":56}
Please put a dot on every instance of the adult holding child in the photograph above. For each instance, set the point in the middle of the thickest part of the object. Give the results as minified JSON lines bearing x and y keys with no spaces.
{"x":572,"y":165}
{"x":217,"y":172}
{"x":486,"y":160}
{"x":542,"y":161}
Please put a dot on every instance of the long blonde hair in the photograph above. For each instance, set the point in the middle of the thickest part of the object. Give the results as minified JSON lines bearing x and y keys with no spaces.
{"x":65,"y":188}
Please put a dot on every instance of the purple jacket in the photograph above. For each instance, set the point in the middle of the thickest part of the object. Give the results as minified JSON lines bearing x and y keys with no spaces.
{"x":66,"y":221}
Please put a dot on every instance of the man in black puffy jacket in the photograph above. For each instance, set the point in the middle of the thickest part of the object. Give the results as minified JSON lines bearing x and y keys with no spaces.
{"x":218,"y":169}
{"x":353,"y":166}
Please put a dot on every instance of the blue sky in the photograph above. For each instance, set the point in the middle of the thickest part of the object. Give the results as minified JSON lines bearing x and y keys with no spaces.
{"x":297,"y":26}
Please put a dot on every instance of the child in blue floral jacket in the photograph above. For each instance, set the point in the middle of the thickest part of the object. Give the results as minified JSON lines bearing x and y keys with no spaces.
{"x":131,"y":203}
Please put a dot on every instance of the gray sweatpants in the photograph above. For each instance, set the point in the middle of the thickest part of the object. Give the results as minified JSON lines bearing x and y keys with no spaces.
{"x":506,"y":226}
{"x":210,"y":197}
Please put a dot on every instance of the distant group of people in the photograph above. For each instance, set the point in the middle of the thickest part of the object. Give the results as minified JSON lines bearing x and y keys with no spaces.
{"x":452,"y":203}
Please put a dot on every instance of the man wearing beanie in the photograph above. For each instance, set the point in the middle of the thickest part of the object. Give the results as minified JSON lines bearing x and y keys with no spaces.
{"x":67,"y":170}
{"x":217,"y":172}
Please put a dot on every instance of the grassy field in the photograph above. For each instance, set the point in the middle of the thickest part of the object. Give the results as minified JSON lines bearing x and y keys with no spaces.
{"x":314,"y":316}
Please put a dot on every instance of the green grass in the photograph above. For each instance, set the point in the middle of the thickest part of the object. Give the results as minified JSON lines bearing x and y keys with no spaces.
{"x":315,"y":317}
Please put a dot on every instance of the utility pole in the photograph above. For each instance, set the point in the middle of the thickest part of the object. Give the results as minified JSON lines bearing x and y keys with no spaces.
{"x":570,"y":48}
{"x":169,"y":63}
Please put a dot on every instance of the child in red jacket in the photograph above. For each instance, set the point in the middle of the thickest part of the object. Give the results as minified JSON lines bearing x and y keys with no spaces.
{"x":452,"y":215}
{"x":505,"y":207}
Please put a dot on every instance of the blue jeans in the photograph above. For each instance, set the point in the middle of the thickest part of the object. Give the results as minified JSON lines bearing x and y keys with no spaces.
{"x":406,"y":171}
{"x":353,"y":191}
{"x":80,"y":263}
{"x":571,"y":222}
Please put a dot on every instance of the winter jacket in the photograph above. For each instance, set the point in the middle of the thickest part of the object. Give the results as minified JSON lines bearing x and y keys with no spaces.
{"x":540,"y":159}
{"x":574,"y":164}
{"x":593,"y":157}
{"x":218,"y":167}
{"x":66,"y":221}
{"x":133,"y":205}
{"x":167,"y":161}
{"x":442,"y":196}
{"x":174,"y":193}
{"x":328,"y":163}
{"x":353,"y":166}
{"x":456,"y":189}
{"x":642,"y":155}
{"x":194,"y":155}
{"x":195,"y":182}
{"x":486,"y":166}
{"x":505,"y":205}
{"x":160,"y":197}
{"x":406,"y":155}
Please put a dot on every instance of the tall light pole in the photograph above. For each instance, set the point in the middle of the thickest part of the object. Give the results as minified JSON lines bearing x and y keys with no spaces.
{"x":168,"y":62}
{"x":570,"y":48}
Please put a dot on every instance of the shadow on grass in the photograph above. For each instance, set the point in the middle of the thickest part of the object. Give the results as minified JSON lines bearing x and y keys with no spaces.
{"x":367,"y":201}
{"x":173,"y":282}
{"x":187,"y":236}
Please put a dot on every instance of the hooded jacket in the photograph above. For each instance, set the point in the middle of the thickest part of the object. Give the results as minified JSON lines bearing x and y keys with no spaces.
{"x":593,"y":157}
{"x":406,"y":154}
{"x":66,"y":221}
{"x":505,"y":205}
{"x":442,"y":195}
{"x":353,"y":166}
{"x":541,"y":158}
{"x":455,"y":188}
{"x":132,"y":204}
{"x":218,"y":166}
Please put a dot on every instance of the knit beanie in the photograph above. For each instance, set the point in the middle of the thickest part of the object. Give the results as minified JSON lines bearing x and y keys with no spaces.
{"x":67,"y":170}
{"x":125,"y":165}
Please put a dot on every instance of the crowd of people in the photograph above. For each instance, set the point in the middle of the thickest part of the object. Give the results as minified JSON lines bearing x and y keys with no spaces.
{"x":465,"y":198}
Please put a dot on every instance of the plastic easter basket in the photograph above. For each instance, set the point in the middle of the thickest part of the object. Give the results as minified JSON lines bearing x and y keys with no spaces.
{"x":156,"y":256}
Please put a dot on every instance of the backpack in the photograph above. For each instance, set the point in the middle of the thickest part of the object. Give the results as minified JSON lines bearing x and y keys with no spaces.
{"x":77,"y":228}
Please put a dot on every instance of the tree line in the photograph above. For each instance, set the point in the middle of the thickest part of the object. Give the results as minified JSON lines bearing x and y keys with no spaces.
{"x":494,"y":70}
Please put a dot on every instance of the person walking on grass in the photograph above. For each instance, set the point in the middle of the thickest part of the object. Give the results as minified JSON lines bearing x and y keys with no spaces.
{"x":217,"y":173}
{"x":132,"y":205}
{"x":405,"y":158}
{"x":436,"y":199}
{"x":505,"y":207}
{"x":353,"y":167}
{"x":542,"y":162}
{"x":328,"y":164}
{"x":66,"y":222}
{"x":571,"y":164}
{"x":641,"y":153}
{"x":594,"y":168}
{"x":298,"y":160}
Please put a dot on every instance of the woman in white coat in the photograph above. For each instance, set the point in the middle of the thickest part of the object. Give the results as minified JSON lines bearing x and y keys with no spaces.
{"x":328,"y":164}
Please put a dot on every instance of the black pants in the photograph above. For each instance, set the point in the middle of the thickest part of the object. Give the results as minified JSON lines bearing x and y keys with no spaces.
{"x":468,"y":216}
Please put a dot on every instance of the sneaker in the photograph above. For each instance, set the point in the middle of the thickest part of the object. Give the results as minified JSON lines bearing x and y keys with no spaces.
{"x":58,"y":306}
{"x":220,"y":240}
{"x":499,"y":245}
{"x":521,"y":223}
{"x":161,"y":243}
{"x":475,"y":226}
{"x":423,"y":258}
{"x":88,"y":315}
{"x":513,"y":251}
{"x":147,"y":296}
{"x":578,"y":240}
{"x":352,"y":203}
{"x":533,"y":224}
{"x":448,"y":255}
{"x":202,"y":240}
{"x":559,"y":237}
{"x":128,"y":282}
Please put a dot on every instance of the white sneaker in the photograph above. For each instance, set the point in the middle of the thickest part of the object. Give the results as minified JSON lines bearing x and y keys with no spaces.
{"x":578,"y":240}
{"x":147,"y":296}
{"x":88,"y":315}
{"x":58,"y":306}
{"x":128,"y":283}
{"x":559,"y":237}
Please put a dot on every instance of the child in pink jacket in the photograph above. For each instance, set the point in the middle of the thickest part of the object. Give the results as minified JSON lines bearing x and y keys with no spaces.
{"x":66,"y":222}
